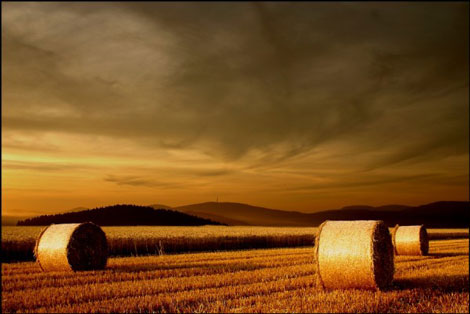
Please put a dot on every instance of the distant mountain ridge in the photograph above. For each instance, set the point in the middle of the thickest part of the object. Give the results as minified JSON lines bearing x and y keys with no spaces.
{"x":384,"y":207}
{"x":246,"y":214}
{"x":444,"y":214}
{"x":77,"y":209}
{"x":160,"y":206}
{"x":121,"y":215}
{"x":439,"y":214}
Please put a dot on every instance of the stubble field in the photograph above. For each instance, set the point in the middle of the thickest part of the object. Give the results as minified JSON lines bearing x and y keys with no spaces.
{"x":18,"y":242}
{"x":265,"y":280}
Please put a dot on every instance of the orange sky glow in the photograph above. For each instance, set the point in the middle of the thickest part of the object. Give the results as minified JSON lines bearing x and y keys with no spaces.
{"x":305,"y":106}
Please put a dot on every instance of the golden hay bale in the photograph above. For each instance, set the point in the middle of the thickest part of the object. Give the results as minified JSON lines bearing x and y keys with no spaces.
{"x":354,"y":254}
{"x":67,"y":247}
{"x":410,"y":240}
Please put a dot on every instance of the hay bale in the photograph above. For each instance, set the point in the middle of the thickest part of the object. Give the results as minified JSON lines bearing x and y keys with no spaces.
{"x":354,"y":254}
{"x":410,"y":240}
{"x":67,"y":247}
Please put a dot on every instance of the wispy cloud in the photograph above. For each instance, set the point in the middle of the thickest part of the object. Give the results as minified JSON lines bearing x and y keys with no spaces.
{"x":139,"y":181}
{"x":284,"y":83}
{"x":224,"y":94}
{"x":43,"y":166}
{"x":360,"y":183}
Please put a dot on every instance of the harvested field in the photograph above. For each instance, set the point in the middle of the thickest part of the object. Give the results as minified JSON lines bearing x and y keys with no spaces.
{"x":18,"y":242}
{"x":268,"y":280}
{"x":440,"y":234}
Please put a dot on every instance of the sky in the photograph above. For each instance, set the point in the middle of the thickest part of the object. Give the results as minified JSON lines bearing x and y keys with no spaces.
{"x":297,"y":106}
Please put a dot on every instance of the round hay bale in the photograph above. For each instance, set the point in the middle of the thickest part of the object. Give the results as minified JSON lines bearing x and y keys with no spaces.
{"x":71,"y":247}
{"x":410,"y":240}
{"x":354,"y":254}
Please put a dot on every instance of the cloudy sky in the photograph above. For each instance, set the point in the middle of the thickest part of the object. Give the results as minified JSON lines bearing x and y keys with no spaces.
{"x":299,"y":106}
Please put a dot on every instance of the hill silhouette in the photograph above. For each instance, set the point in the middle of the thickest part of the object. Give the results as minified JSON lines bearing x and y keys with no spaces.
{"x":160,"y":206}
{"x":121,"y":215}
{"x":438,"y":214}
{"x":243,"y":214}
{"x":77,"y":209}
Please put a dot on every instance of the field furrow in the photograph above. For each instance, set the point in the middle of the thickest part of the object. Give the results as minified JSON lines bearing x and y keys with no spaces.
{"x":104,"y":291}
{"x":268,"y":280}
{"x":188,"y":300}
{"x":119,"y":267}
{"x":120,"y":275}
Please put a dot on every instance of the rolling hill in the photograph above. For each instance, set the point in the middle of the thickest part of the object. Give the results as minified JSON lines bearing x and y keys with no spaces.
{"x":243,"y":214}
{"x":438,"y":214}
{"x":159,"y":206}
{"x":122,"y":215}
{"x":77,"y":209}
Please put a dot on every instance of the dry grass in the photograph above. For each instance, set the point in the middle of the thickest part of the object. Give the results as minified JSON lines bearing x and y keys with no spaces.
{"x":274,"y":280}
{"x":18,"y":242}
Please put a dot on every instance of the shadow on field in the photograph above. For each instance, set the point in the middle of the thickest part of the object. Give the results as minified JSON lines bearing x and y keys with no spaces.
{"x":448,"y":283}
{"x":447,"y":254}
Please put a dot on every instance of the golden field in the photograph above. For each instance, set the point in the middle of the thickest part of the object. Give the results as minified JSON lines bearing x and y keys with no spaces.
{"x":18,"y":242}
{"x":265,"y":280}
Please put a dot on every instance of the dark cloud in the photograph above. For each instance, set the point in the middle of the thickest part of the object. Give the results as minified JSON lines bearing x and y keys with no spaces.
{"x":209,"y":172}
{"x":228,"y":79}
{"x":151,"y":179}
{"x":139,"y":181}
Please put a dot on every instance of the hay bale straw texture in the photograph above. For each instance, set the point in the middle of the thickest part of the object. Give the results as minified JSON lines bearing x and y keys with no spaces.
{"x":410,"y":240}
{"x":71,"y":247}
{"x":354,"y":254}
